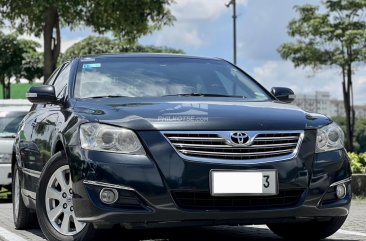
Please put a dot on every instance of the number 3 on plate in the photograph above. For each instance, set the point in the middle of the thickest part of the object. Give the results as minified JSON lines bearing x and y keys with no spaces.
{"x":266,"y":181}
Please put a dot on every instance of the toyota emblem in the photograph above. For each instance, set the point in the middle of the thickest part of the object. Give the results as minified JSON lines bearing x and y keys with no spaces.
{"x":239,"y":138}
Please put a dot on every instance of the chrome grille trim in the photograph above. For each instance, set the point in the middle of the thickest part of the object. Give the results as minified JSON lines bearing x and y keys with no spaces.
{"x":214,"y":147}
{"x":236,"y":153}
{"x":232,"y":147}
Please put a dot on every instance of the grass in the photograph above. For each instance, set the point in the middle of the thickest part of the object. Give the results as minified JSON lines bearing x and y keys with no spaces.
{"x":358,"y":199}
{"x":4,"y":193}
{"x":17,"y":91}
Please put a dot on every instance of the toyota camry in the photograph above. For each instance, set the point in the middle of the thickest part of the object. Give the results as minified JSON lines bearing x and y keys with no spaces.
{"x":158,"y":140}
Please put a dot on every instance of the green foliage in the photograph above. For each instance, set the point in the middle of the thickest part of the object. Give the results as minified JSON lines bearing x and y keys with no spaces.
{"x":359,"y":139}
{"x":19,"y":59}
{"x":31,"y":67}
{"x":11,"y":56}
{"x":17,"y":91}
{"x":358,"y":162}
{"x":127,"y":19}
{"x":336,"y":37}
{"x":99,"y":45}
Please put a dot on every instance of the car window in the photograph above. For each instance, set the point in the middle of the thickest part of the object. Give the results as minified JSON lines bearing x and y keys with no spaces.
{"x":9,"y":122}
{"x":51,"y":79}
{"x":61,"y":82}
{"x":154,"y":77}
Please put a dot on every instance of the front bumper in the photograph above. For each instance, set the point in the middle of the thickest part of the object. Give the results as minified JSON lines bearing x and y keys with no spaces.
{"x":5,"y":174}
{"x":148,"y":186}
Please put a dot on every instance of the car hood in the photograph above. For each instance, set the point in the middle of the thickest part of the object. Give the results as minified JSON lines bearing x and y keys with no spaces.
{"x":6,"y":145}
{"x":197,"y":113}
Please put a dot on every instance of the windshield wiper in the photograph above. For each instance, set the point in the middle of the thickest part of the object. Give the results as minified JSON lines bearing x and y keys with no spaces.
{"x":107,"y":96}
{"x":205,"y":95}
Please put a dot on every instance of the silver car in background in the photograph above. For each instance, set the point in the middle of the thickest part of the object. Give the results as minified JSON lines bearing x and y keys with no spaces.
{"x":11,"y":114}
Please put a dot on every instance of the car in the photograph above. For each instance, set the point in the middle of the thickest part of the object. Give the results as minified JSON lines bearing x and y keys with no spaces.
{"x":11,"y":114}
{"x":163,"y":140}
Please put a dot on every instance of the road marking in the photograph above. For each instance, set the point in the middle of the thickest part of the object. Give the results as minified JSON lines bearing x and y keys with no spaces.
{"x":341,"y":231}
{"x":9,"y":236}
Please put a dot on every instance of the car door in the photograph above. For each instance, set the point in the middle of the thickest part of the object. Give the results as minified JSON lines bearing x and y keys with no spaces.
{"x":37,"y":132}
{"x":46,"y":128}
{"x":28,"y":150}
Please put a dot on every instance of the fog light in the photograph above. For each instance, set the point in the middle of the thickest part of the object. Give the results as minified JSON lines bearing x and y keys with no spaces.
{"x":108,"y":195}
{"x":341,"y":191}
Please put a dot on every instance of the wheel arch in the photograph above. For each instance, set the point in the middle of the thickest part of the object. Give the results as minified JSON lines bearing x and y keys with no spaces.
{"x":58,"y":145}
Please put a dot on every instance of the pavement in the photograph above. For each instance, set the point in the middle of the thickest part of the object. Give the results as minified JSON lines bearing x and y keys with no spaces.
{"x":353,"y":229}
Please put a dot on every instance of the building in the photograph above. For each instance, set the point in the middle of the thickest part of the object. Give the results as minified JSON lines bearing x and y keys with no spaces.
{"x":321,"y":102}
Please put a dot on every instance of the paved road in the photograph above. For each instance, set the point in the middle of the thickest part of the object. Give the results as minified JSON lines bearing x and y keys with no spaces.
{"x":353,"y":229}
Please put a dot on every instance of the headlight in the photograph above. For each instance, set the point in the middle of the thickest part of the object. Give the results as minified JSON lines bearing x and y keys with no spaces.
{"x":329,"y":138}
{"x":5,"y":158}
{"x":99,"y":137}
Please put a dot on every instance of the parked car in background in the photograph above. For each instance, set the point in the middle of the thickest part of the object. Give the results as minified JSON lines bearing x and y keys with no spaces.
{"x":156,"y":140}
{"x":11,"y":114}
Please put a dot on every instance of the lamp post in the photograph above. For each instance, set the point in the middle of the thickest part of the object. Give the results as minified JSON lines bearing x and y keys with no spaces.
{"x":233,"y":2}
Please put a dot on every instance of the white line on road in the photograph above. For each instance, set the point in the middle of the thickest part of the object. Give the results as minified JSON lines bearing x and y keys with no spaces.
{"x":9,"y":236}
{"x":341,"y":231}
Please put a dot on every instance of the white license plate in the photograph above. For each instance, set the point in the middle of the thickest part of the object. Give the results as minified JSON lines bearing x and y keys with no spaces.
{"x":230,"y":183}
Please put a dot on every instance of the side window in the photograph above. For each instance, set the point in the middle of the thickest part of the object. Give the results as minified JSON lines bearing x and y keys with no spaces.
{"x":61,"y":82}
{"x":51,"y":79}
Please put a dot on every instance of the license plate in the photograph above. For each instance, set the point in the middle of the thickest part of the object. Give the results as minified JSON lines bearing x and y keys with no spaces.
{"x":242,"y":183}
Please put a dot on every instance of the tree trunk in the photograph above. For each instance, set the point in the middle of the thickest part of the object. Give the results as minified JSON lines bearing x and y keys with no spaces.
{"x":6,"y":87}
{"x":2,"y":80}
{"x":51,"y":42}
{"x":348,"y":105}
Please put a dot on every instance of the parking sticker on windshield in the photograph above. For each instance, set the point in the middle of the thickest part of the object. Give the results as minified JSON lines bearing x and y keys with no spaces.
{"x":93,"y":65}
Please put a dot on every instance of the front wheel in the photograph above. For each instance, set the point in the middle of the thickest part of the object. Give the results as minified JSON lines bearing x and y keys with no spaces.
{"x":55,"y":210}
{"x":312,"y":230}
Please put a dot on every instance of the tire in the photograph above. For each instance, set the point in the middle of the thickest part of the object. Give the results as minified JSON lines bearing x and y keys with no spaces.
{"x":312,"y":230}
{"x":54,"y":204}
{"x":23,"y":217}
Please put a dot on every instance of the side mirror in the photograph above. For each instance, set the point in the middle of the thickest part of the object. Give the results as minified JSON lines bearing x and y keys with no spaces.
{"x":42,"y":94}
{"x":283,"y":94}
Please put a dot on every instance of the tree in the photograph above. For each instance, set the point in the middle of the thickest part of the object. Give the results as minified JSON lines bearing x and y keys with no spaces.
{"x":18,"y":58}
{"x":128,"y":19}
{"x":10,"y":61}
{"x":32,"y":67}
{"x":99,"y":45}
{"x":359,"y":141}
{"x":336,"y":37}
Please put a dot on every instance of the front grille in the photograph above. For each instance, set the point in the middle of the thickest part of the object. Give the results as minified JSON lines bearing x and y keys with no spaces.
{"x":204,"y":200}
{"x":217,"y":145}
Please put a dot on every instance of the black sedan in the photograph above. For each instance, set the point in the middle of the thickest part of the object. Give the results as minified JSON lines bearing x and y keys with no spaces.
{"x":148,"y":140}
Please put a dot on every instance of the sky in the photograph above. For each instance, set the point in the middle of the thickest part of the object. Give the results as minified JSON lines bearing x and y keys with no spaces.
{"x":204,"y":28}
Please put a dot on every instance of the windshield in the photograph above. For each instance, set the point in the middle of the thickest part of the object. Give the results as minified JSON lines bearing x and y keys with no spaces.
{"x":164,"y":76}
{"x":9,"y":122}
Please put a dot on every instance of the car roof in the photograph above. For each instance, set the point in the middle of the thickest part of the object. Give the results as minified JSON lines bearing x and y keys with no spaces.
{"x":146,"y":55}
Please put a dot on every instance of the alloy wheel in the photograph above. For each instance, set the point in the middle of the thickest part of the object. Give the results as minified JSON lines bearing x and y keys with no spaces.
{"x":59,"y":205}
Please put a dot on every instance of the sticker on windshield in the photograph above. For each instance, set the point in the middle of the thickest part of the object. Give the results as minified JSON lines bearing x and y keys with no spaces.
{"x":93,"y":65}
{"x":87,"y":59}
